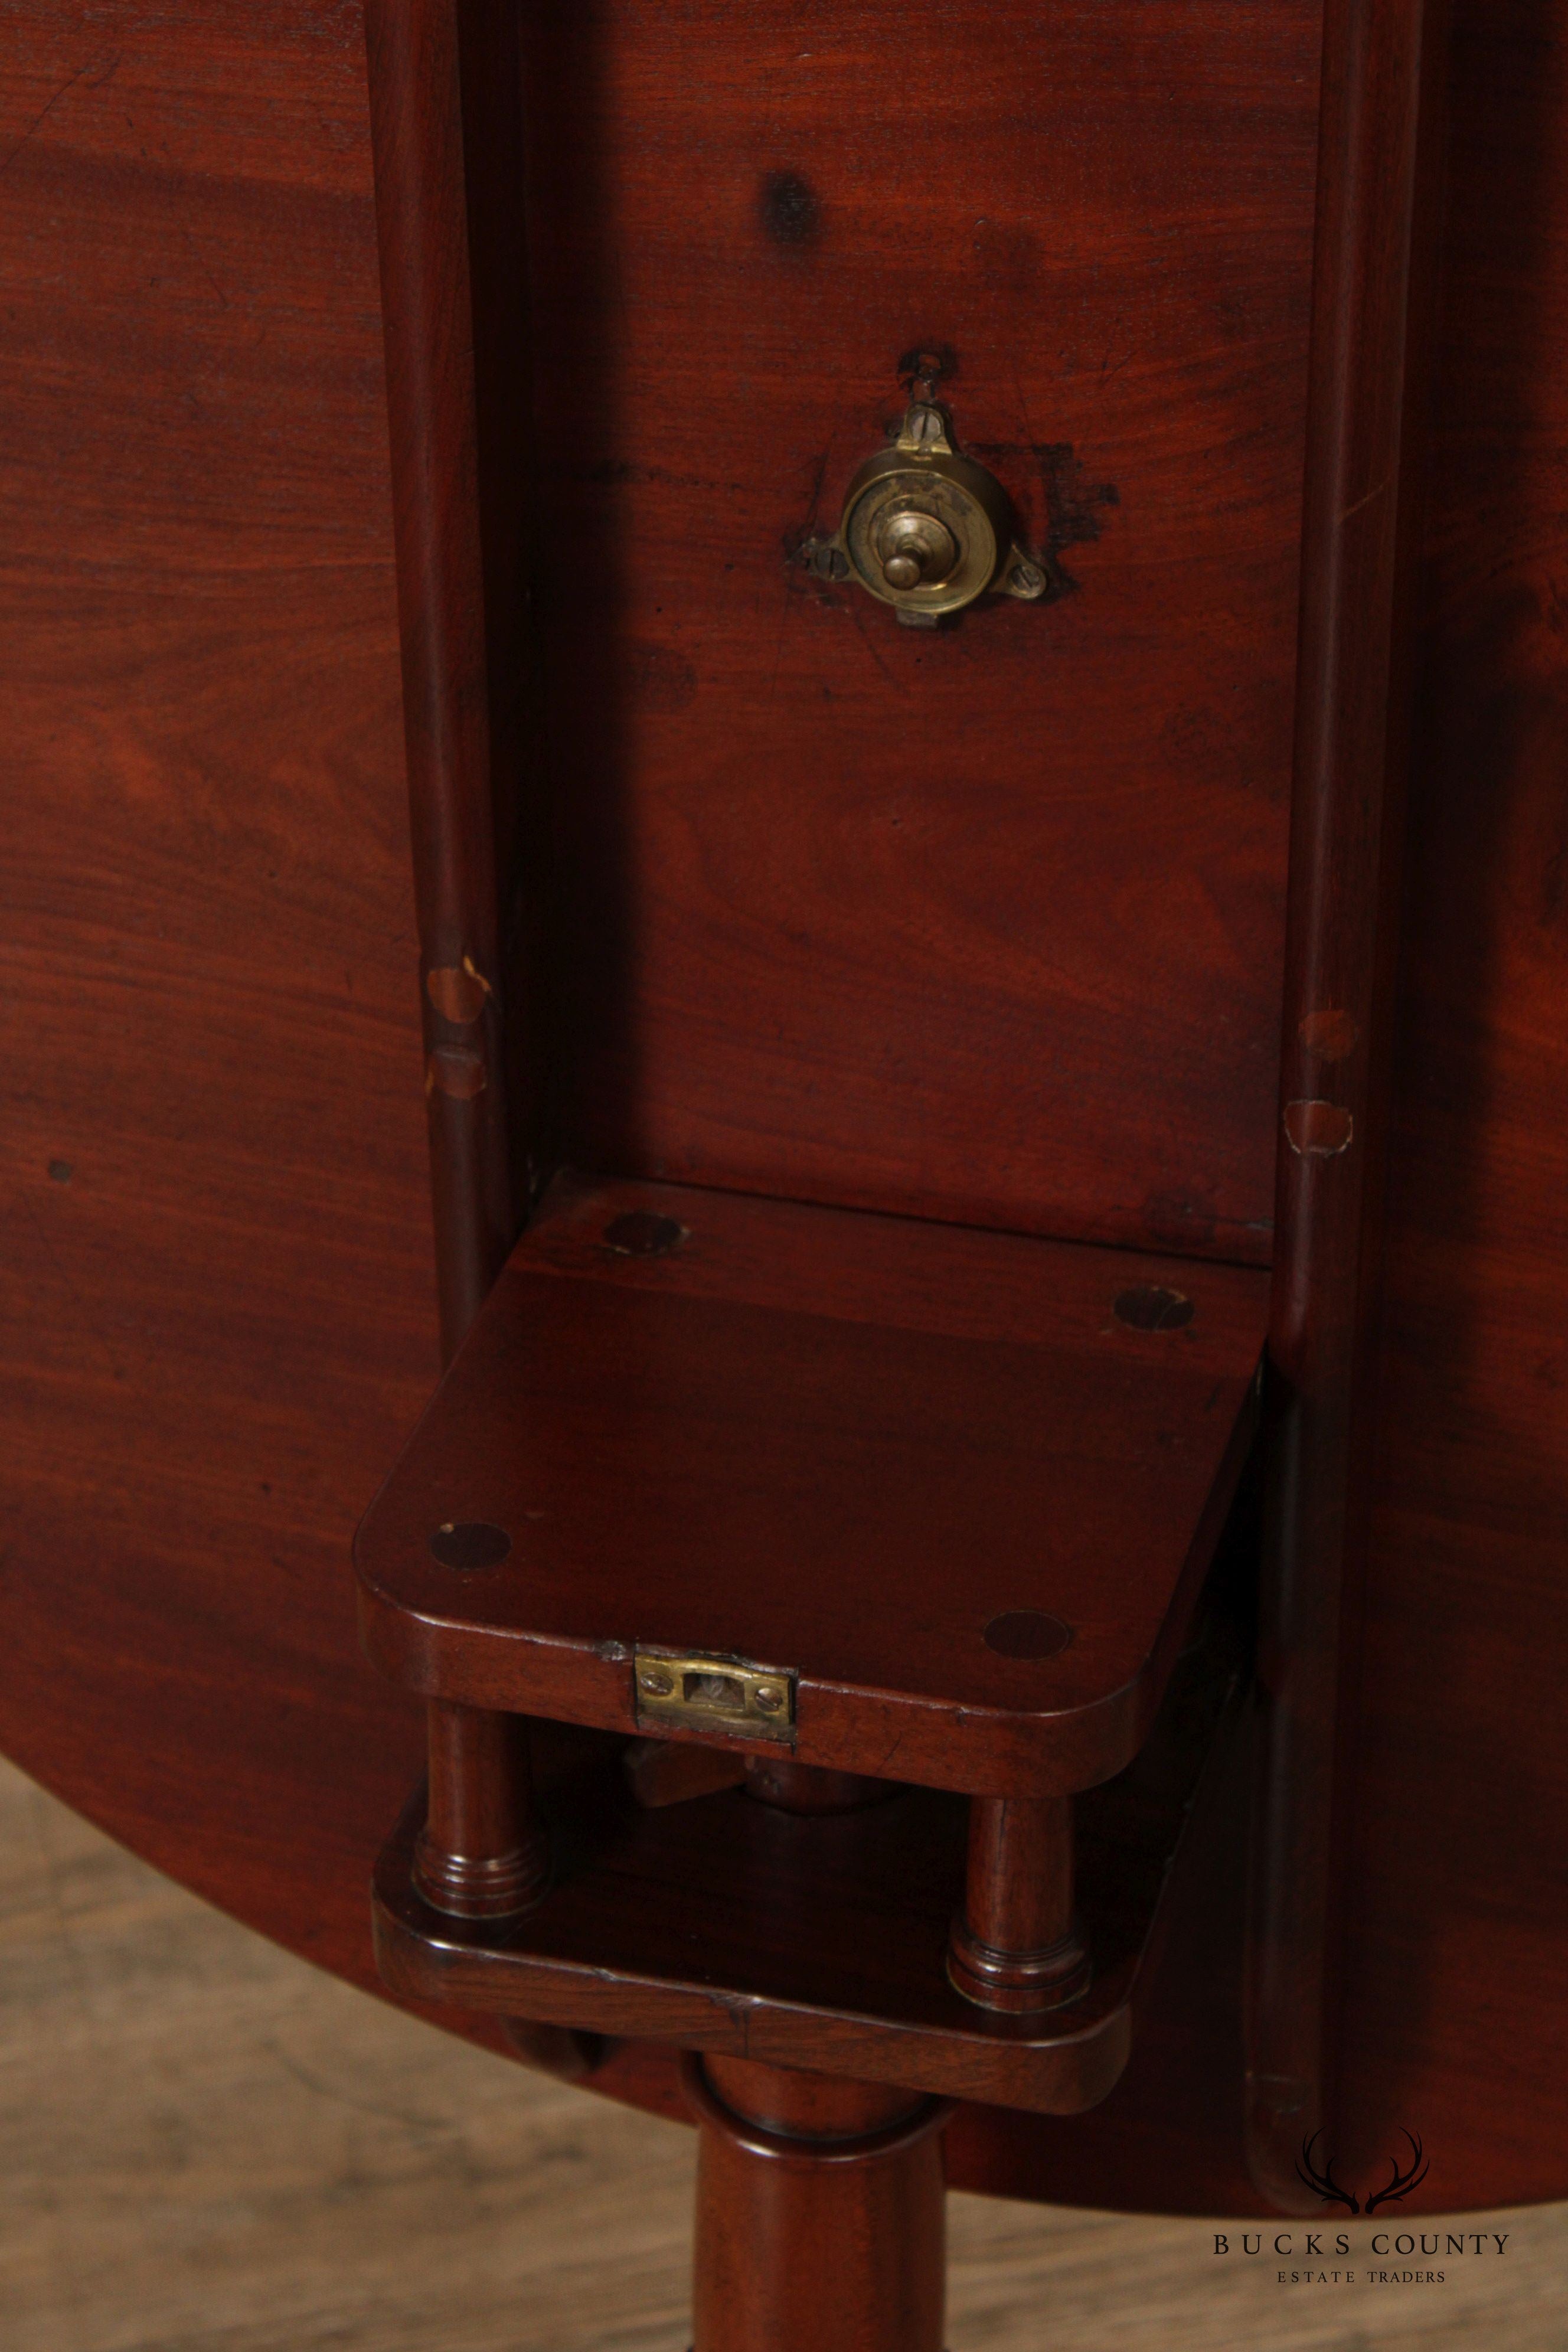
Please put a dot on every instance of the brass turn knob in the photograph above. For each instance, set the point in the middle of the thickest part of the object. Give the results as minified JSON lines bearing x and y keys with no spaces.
{"x":926,"y":529}
{"x":915,"y":546}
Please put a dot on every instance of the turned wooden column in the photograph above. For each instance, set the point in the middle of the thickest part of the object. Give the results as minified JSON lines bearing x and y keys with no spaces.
{"x":481,"y":1854}
{"x":1016,"y":1945}
{"x":820,"y":2212}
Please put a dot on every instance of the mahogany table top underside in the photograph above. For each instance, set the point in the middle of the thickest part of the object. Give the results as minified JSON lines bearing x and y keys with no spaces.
{"x":725,"y":1925}
{"x":218,"y":1322}
{"x":865,"y":1449}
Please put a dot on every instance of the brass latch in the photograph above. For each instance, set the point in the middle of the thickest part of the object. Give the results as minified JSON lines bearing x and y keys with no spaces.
{"x":716,"y":1694}
{"x":926,"y":529}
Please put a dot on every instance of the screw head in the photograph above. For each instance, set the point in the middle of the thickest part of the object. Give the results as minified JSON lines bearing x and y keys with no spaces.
{"x":769,"y":1697}
{"x":1027,"y":579}
{"x":655,"y":1681}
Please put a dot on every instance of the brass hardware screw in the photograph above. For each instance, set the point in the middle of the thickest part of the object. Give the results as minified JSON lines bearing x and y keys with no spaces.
{"x":768,"y":1698}
{"x":656,"y":1682}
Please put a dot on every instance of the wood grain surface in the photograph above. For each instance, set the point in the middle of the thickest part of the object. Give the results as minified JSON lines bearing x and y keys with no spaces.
{"x":1459,"y":1907}
{"x":416,"y":129}
{"x":219,"y":1317}
{"x":738,"y":1927}
{"x":1379,"y":218}
{"x":205,"y":2145}
{"x":842,"y":1445}
{"x":788,"y":952}
{"x":218,"y":1300}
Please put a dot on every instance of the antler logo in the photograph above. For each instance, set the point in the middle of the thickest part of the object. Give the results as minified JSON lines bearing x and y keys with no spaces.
{"x":1399,"y":2184}
{"x":1326,"y":2187}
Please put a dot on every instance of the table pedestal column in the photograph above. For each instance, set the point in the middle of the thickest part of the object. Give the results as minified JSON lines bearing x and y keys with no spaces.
{"x":819,"y":2212}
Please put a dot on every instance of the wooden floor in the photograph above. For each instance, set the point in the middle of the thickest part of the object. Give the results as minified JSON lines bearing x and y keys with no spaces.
{"x":205,"y":2147}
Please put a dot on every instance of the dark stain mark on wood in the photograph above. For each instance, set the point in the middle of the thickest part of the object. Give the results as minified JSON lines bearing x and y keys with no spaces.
{"x":789,"y":209}
{"x":927,"y":363}
{"x":1075,"y":505}
{"x":1147,"y":1308}
{"x":660,"y":678}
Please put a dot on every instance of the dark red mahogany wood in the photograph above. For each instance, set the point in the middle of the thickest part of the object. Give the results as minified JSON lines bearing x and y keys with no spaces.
{"x":820,"y":2212}
{"x":821,"y":1941}
{"x":715,"y":1925}
{"x":987,"y":924}
{"x":1017,"y":1944}
{"x":669,"y":1772}
{"x":416,"y":124}
{"x":778,"y":1780}
{"x":1353,"y":684}
{"x":1457,"y":1871}
{"x":854,"y":1448}
{"x":481,"y":1854}
{"x":217,"y":1310}
{"x":419,"y":134}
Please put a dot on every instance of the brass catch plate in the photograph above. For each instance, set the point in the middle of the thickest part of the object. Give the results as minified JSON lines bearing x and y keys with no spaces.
{"x":724,"y":1696}
{"x":926,"y":529}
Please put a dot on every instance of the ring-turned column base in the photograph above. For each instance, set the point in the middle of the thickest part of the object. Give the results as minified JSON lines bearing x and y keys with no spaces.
{"x":481,"y":1853}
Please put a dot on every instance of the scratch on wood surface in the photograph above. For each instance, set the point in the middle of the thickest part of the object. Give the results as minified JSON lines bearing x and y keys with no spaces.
{"x":97,"y":70}
{"x":1375,"y":492}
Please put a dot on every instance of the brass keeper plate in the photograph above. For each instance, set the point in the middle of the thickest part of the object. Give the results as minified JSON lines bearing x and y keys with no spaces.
{"x":721,"y":1696}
